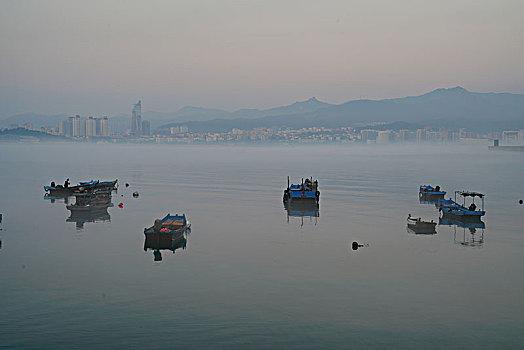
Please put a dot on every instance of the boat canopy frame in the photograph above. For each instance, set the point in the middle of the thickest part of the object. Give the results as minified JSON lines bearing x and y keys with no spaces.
{"x":471,"y":194}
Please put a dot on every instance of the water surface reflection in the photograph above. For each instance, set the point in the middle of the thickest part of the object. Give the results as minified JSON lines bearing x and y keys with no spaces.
{"x":302,"y":210}
{"x":472,"y":237}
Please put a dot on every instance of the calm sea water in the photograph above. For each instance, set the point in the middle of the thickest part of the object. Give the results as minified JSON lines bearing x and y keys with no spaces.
{"x":250,"y":276}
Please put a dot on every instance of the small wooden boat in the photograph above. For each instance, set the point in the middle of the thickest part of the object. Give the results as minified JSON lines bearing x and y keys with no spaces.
{"x":307,"y":191}
{"x":418,"y":226}
{"x":430,"y":192}
{"x":169,"y":225}
{"x":86,"y":186}
{"x":60,"y":190}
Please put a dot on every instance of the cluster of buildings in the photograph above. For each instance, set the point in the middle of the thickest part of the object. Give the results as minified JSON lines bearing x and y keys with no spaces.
{"x":92,"y":127}
{"x":344,"y":135}
{"x":85,"y":127}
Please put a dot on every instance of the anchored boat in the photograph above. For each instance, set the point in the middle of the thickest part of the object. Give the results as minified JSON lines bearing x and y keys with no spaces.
{"x":66,"y":190}
{"x":169,"y":225}
{"x":452,"y":208}
{"x":307,"y":191}
{"x":428,"y":191}
{"x":418,"y":226}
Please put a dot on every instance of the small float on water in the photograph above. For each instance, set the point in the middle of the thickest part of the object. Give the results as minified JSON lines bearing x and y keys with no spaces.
{"x":419,"y":226}
{"x":452,"y":208}
{"x":169,"y":225}
{"x":307,"y":191}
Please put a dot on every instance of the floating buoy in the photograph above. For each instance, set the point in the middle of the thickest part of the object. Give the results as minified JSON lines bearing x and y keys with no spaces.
{"x":135,"y":194}
{"x":355,"y":245}
{"x":120,"y":205}
{"x":127,"y":185}
{"x":520,"y":202}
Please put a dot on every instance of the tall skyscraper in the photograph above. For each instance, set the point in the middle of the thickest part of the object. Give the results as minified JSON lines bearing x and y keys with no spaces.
{"x":136,"y":119}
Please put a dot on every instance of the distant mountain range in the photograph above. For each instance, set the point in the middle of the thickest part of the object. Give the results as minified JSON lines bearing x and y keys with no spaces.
{"x":451,"y":108}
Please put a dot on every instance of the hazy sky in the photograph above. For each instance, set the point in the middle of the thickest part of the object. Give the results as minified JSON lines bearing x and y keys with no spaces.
{"x":100,"y":57}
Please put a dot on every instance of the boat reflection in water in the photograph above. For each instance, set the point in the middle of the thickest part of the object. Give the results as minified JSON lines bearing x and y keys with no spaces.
{"x":429,"y":200}
{"x":161,"y":241}
{"x":90,"y":207}
{"x":474,"y":237}
{"x":54,"y":198}
{"x":301,"y":210}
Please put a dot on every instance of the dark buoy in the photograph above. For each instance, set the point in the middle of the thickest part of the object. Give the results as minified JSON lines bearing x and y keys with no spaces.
{"x":127,"y":185}
{"x":520,"y":202}
{"x":355,"y":245}
{"x":135,"y":194}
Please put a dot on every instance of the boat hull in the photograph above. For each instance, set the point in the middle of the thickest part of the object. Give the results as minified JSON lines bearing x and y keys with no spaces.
{"x":84,"y":186}
{"x":421,"y":227}
{"x":462,"y":213}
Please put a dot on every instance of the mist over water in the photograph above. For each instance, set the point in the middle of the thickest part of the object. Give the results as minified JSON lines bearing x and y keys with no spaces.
{"x":250,"y":276}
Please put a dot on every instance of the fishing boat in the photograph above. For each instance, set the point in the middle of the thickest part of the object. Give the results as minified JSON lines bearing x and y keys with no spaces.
{"x":169,"y":225}
{"x":307,"y":191}
{"x":430,"y":192}
{"x":86,"y":186}
{"x":111,"y":185}
{"x":452,"y":208}
{"x":418,"y":226}
{"x":87,"y":201}
{"x":159,"y":241}
{"x":90,"y":207}
{"x":60,"y":190}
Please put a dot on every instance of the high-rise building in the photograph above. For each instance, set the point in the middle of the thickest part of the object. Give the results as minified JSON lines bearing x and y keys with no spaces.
{"x":66,"y":127}
{"x":78,"y":127}
{"x":146,"y":127}
{"x":136,"y":119}
{"x":105,"y":127}
{"x":368,"y":136}
{"x":91,"y":127}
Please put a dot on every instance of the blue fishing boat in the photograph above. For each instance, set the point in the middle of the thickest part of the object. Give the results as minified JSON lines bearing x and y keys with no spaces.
{"x":452,"y":208}
{"x":307,"y":191}
{"x":430,"y":192}
{"x":86,"y":186}
{"x":169,"y":225}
